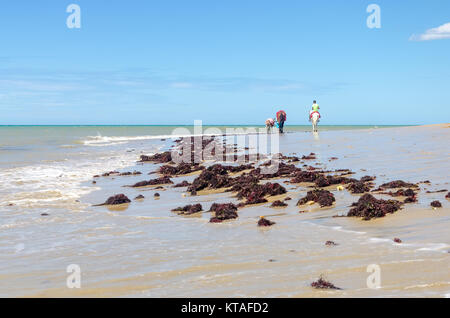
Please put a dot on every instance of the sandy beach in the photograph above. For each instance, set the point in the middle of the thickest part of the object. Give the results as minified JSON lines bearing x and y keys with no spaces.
{"x":143,"y":249}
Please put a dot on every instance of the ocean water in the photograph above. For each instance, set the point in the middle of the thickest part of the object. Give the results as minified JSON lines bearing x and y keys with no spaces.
{"x":146,"y":250}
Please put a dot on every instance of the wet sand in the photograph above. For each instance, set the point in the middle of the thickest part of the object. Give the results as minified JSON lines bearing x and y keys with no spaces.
{"x":145,"y":250}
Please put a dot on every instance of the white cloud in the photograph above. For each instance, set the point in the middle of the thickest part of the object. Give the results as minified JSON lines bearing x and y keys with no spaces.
{"x":439,"y":33}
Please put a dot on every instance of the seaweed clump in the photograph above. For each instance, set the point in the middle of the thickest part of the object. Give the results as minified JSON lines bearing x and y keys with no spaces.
{"x":325,"y":181}
{"x":164,"y":157}
{"x":311,"y":156}
{"x":265,"y":222}
{"x":278,"y":204}
{"x":189,"y":209}
{"x":323,"y":197}
{"x":226,"y":211}
{"x":162,"y":180}
{"x":358,"y":187}
{"x":322,"y":283}
{"x":397,"y":184}
{"x":182,"y":184}
{"x":436,"y":204}
{"x":182,"y":168}
{"x":256,"y":193}
{"x":116,"y":199}
{"x":368,"y":207}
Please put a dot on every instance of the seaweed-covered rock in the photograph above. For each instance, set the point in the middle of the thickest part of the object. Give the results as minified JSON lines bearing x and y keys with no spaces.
{"x":129,"y":173}
{"x":182,"y":184}
{"x":322,"y":283}
{"x":367,"y":179}
{"x":323,"y":197}
{"x":189,"y":209}
{"x":265,"y":222}
{"x":226,"y":211}
{"x":325,"y":181}
{"x":139,"y":197}
{"x":116,"y":199}
{"x":164,"y":157}
{"x":311,"y":156}
{"x":436,"y":204}
{"x":397,"y":184}
{"x":369,"y":207}
{"x":158,"y":181}
{"x":305,"y":176}
{"x":447,"y":196}
{"x":278,"y":204}
{"x":256,"y":193}
{"x":358,"y":187}
{"x":182,"y":168}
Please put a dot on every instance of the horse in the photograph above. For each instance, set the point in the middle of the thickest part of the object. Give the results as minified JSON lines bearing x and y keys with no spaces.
{"x":314,"y":120}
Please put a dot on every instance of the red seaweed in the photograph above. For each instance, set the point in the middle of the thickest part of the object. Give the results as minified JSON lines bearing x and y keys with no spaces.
{"x":188,"y":209}
{"x":323,"y":197}
{"x":322,"y":283}
{"x":369,"y":207}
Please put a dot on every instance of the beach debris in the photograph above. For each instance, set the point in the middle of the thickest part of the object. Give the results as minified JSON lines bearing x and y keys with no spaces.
{"x":331,"y":243}
{"x":139,"y":197}
{"x":369,"y":207}
{"x":305,"y":176}
{"x":115,"y":200}
{"x":164,"y":157}
{"x":181,"y":169}
{"x":323,"y":197}
{"x":397,"y":184}
{"x":94,"y":182}
{"x":129,"y":173}
{"x":334,"y":158}
{"x":397,"y":240}
{"x":438,"y":191}
{"x":358,"y":187}
{"x":256,"y":193}
{"x":158,"y":181}
{"x":117,"y":173}
{"x":278,"y":204}
{"x":188,"y":209}
{"x":436,"y":204}
{"x":45,"y":214}
{"x":340,"y":188}
{"x":224,"y":211}
{"x":272,"y":260}
{"x":265,"y":222}
{"x":322,"y":283}
{"x":311,"y":156}
{"x":325,"y":181}
{"x":182,"y":184}
{"x":409,"y":193}
{"x":216,"y":177}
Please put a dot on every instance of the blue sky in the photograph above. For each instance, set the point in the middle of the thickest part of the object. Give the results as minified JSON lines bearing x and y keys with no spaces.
{"x":224,"y":62}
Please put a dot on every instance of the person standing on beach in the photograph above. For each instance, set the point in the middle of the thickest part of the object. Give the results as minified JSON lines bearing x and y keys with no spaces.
{"x":281,"y":118}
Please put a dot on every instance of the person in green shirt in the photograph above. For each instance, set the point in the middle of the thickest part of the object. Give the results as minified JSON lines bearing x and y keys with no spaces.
{"x":315,"y":107}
